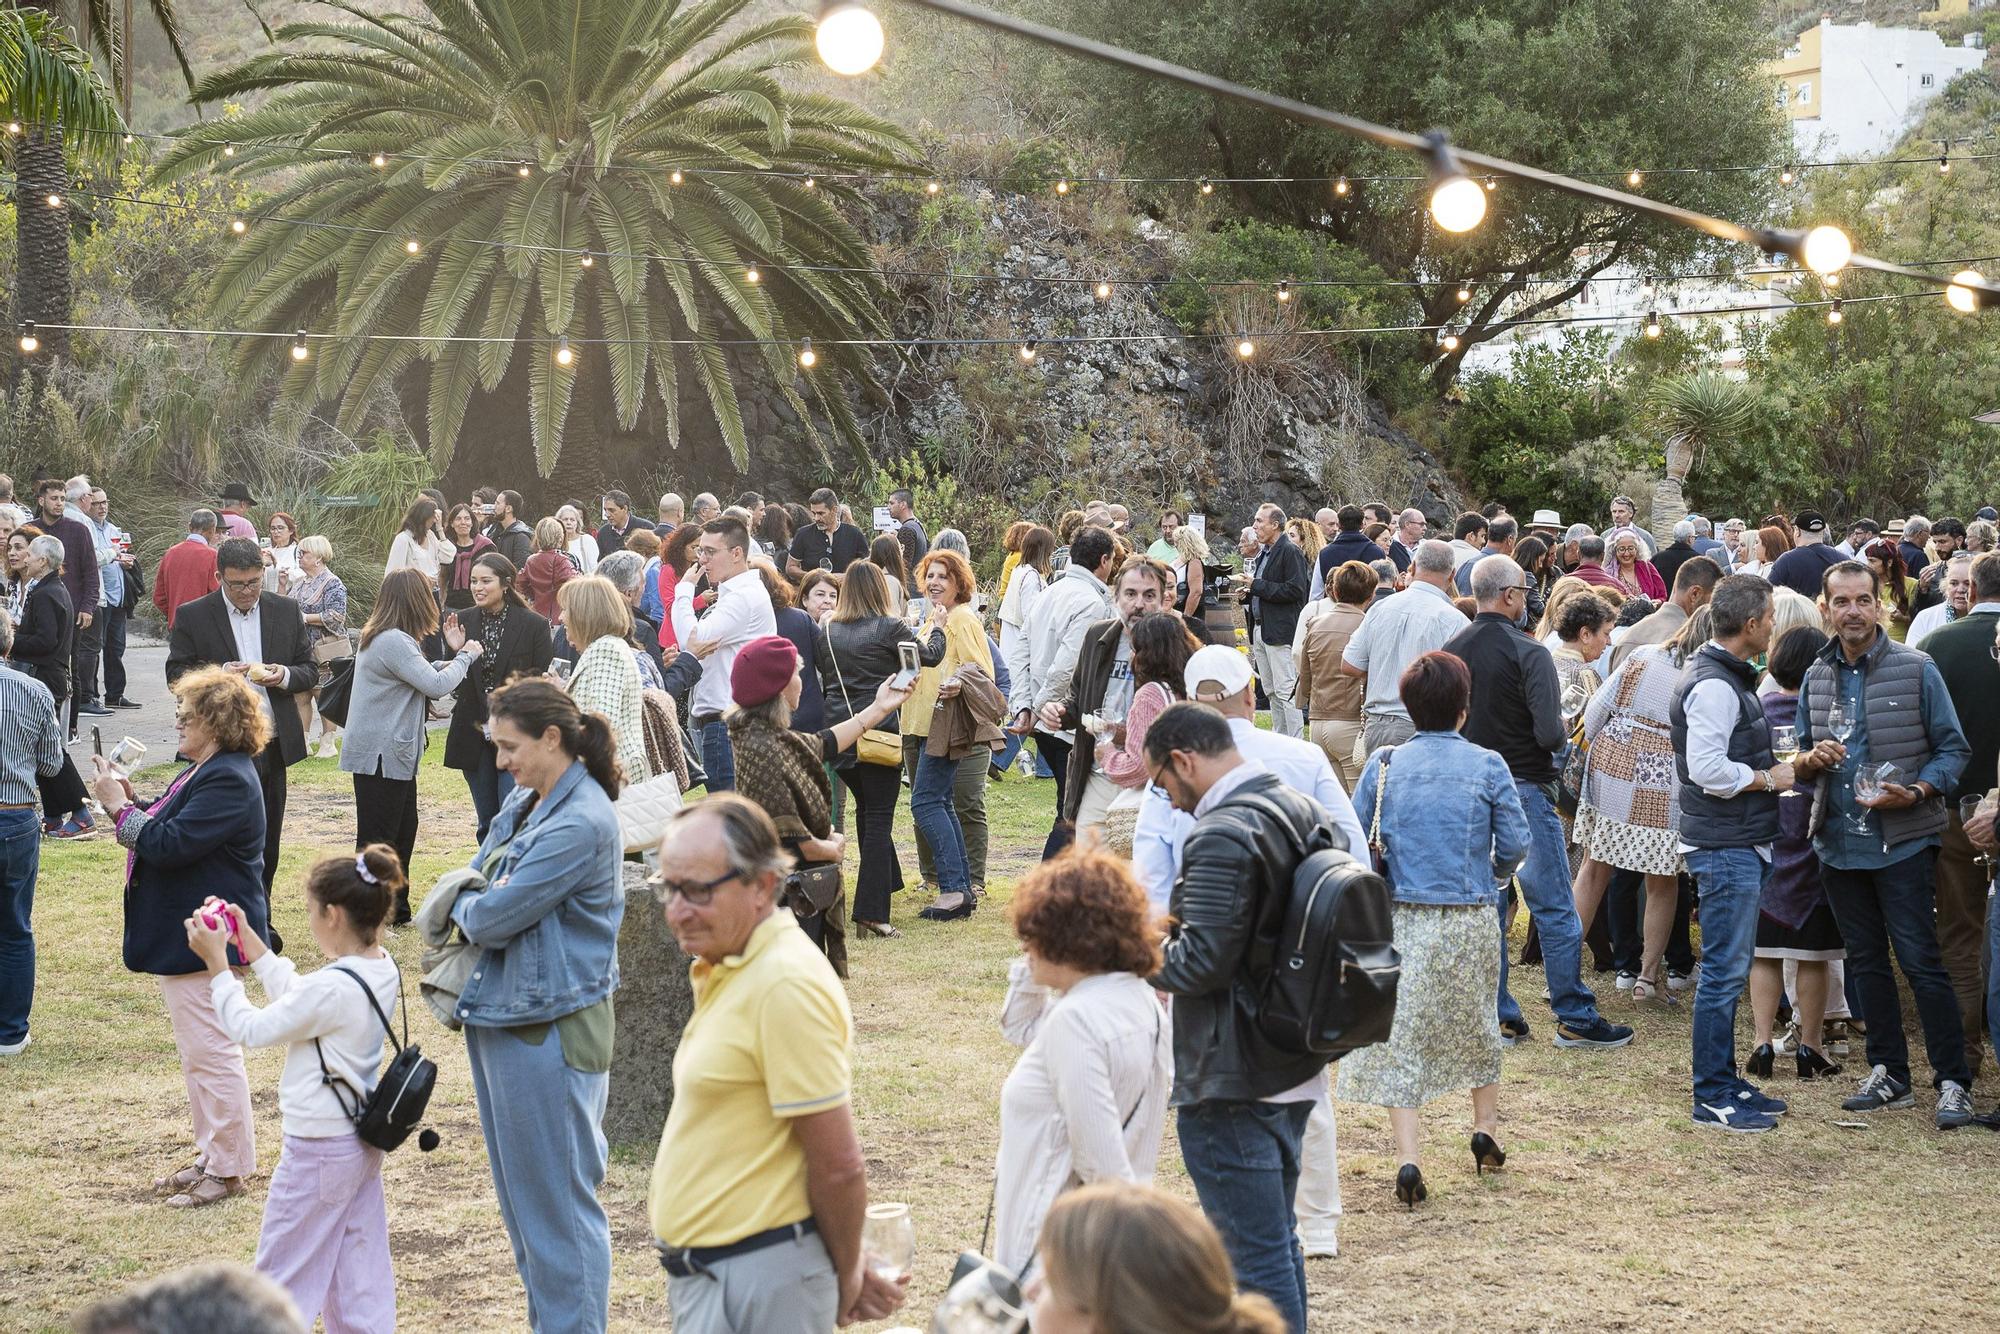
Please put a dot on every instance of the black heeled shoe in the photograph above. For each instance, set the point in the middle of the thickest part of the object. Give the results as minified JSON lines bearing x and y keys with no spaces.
{"x":961,"y":909}
{"x":1410,"y":1189}
{"x":1812,"y":1065}
{"x":1759,"y":1063}
{"x":1486,"y":1153}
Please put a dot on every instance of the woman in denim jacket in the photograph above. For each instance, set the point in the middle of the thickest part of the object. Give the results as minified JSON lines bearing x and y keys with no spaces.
{"x":1452,"y":831}
{"x":537,"y":1005}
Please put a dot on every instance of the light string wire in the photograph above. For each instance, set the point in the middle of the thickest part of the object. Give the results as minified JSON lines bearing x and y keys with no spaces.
{"x":1113,"y":280}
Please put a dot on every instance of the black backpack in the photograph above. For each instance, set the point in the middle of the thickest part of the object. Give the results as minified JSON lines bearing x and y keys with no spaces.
{"x":1329,"y":985}
{"x":385,"y":1117}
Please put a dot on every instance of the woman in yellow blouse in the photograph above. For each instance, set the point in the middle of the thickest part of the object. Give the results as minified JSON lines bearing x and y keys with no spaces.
{"x":947,"y":798}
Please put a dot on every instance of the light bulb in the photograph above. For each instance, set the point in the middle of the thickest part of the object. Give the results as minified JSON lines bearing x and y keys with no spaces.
{"x":807,"y":357}
{"x":28,"y":340}
{"x":412,"y":246}
{"x":1028,"y":350}
{"x":585,"y":261}
{"x":849,"y":38}
{"x":1962,"y":298}
{"x":1635,"y":178}
{"x":1830,"y":280}
{"x":1492,"y":183}
{"x":1207,"y":186}
{"x":55,"y":200}
{"x":1653,"y":326}
{"x":1284,"y":292}
{"x":810,"y":182}
{"x":1464,"y":295}
{"x":299,"y":349}
{"x":1062,"y":187}
{"x":128,"y":138}
{"x":1103,"y":290}
{"x":379,"y":161}
{"x":751,"y":276}
{"x":1341,"y":187}
{"x":238,"y":226}
{"x":1826,"y":249}
{"x":674,"y":177}
{"x":524,"y":171}
{"x":1449,"y":342}
{"x":1457,"y":202}
{"x":229,"y":150}
{"x":1245,"y":348}
{"x":1944,"y":164}
{"x":1788,"y":175}
{"x":13,"y":127}
{"x":563,"y":355}
{"x":931,"y":187}
{"x":1833,"y":315}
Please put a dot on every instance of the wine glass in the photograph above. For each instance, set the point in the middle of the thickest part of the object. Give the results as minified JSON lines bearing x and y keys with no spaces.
{"x":889,"y":1241}
{"x":1785,"y":746}
{"x":1968,"y":808}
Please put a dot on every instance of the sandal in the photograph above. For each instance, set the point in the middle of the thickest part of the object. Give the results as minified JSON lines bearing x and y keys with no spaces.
{"x":206,"y":1191}
{"x":175,"y":1182}
{"x":880,"y":930}
{"x":1652,"y":993}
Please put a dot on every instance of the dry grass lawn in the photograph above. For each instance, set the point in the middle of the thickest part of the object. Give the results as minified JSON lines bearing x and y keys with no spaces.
{"x":1614,"y":1212}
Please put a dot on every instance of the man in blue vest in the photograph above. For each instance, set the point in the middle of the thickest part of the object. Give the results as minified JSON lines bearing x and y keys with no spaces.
{"x":1729,"y":786}
{"x":1878,"y":852}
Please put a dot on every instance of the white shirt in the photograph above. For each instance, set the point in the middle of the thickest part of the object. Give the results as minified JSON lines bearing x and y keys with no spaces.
{"x":1711,"y":717}
{"x":321,"y":1005}
{"x":742,"y":612}
{"x":1095,"y":1055}
{"x":248,"y":628}
{"x":1931,"y":619}
{"x":1394,"y":633}
{"x":1303,"y":767}
{"x":407,"y":553}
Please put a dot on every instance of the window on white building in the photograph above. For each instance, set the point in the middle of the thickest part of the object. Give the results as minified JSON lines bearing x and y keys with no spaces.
{"x":1927,"y":81}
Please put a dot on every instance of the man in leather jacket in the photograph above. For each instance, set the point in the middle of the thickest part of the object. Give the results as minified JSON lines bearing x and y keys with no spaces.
{"x":1242,"y":1103}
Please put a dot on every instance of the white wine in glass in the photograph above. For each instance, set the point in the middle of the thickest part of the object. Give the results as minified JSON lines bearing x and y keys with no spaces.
{"x":889,"y":1240}
{"x":1785,"y":744}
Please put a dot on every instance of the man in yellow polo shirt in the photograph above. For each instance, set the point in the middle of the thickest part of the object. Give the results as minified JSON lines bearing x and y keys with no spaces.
{"x":759,"y":1190}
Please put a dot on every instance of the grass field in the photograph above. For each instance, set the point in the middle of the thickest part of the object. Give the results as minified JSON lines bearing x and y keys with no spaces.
{"x":1613,"y":1213}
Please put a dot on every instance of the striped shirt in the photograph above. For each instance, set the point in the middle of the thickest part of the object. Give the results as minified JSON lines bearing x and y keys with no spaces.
{"x":31,"y":741}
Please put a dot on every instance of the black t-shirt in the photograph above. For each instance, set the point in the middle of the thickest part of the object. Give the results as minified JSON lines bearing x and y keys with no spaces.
{"x":814,"y":550}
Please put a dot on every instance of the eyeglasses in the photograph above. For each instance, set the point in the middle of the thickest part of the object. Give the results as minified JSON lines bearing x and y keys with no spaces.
{"x":698,"y":893}
{"x":244,"y":585}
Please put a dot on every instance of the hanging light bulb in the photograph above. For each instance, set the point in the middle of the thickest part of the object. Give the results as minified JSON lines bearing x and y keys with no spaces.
{"x":674,"y":177}
{"x":1103,"y":290}
{"x":229,"y":150}
{"x":1826,"y":249}
{"x":810,"y":182}
{"x":751,"y":276}
{"x":1449,"y":342}
{"x":585,"y":261}
{"x":1492,"y":183}
{"x":1944,"y":161}
{"x":1788,"y":175}
{"x":29,"y":342}
{"x":1457,"y":202}
{"x":1464,"y":294}
{"x":55,"y":200}
{"x":1062,"y":187}
{"x":1961,"y":297}
{"x":238,"y":226}
{"x":1284,"y":291}
{"x":931,"y":187}
{"x":1635,"y":179}
{"x":1833,"y":315}
{"x":128,"y":138}
{"x":379,"y":161}
{"x":299,"y":349}
{"x":524,"y":171}
{"x":1028,"y":350}
{"x":848,"y":37}
{"x":413,"y":246}
{"x":1245,"y":348}
{"x":1341,"y":187}
{"x":1830,"y":280}
{"x":1653,"y":325}
{"x":563,"y":355}
{"x":1206,"y":186}
{"x":807,"y":357}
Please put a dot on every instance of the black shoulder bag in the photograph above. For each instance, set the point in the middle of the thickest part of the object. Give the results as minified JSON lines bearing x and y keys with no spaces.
{"x":385,"y":1117}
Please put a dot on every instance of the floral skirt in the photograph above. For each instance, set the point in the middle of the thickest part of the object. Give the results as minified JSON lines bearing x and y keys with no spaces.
{"x":1446,"y":1034}
{"x":1629,"y":847}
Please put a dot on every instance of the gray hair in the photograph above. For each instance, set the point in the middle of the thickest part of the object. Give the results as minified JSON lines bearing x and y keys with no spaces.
{"x":1735,"y":523}
{"x":1626,"y":501}
{"x":1737,"y":600}
{"x":49,"y":549}
{"x":1492,"y":576}
{"x":1325,"y":515}
{"x":1591,"y":547}
{"x":705,"y":502}
{"x":1412,"y":515}
{"x":1273,"y":511}
{"x":76,"y":488}
{"x":1385,"y":571}
{"x":1434,"y":557}
{"x":202,"y":521}
{"x":1702,"y":527}
{"x":625,"y":569}
{"x":749,"y":839}
{"x":1914,"y":527}
{"x":214,"y":1298}
{"x":1684,"y":531}
{"x":1577,"y":532}
{"x":672,"y":504}
{"x":6,"y":634}
{"x":950,"y":539}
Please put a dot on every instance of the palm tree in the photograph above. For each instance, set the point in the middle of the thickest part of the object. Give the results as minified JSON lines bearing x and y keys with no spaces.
{"x":1696,"y":412}
{"x":47,"y":84}
{"x":630,"y":157}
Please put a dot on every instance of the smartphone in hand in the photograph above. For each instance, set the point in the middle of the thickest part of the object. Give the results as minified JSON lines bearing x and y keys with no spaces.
{"x":908,"y":664}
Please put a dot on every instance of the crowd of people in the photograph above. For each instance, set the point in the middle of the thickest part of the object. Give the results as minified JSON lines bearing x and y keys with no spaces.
{"x":1789,"y":740}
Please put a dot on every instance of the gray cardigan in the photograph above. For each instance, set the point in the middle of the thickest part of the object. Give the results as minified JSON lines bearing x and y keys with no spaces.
{"x":393,"y":686}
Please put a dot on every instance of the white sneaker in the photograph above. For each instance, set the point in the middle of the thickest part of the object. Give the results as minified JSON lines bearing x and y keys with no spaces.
{"x":16,"y":1048}
{"x":1320,"y":1247}
{"x":1682,"y":981}
{"x":1625,"y":980}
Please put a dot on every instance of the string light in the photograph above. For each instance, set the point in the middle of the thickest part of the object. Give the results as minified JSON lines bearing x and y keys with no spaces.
{"x":810,"y":183}
{"x":413,"y":246}
{"x":1103,"y":290}
{"x":1826,"y":249}
{"x":1833,"y":315}
{"x":674,"y":176}
{"x":1492,"y":183}
{"x":229,"y":150}
{"x":1449,"y":342}
{"x":931,"y":187}
{"x":751,"y":276}
{"x":1245,"y":348}
{"x":1206,"y":186}
{"x":1944,"y":162}
{"x":1457,"y":202}
{"x":299,"y":349}
{"x":1028,"y":350}
{"x":524,"y":171}
{"x":379,"y":161}
{"x":238,"y":226}
{"x":1788,"y":175}
{"x":807,"y":357}
{"x":1284,"y":291}
{"x":1959,"y":296}
{"x":1635,"y":179}
{"x":29,"y":342}
{"x":55,"y":200}
{"x":584,"y":261}
{"x":128,"y":139}
{"x":1653,"y":325}
{"x":1464,"y":295}
{"x":563,"y":355}
{"x":1829,"y":280}
{"x":13,"y":127}
{"x":1062,"y":187}
{"x":1340,"y":187}
{"x":848,"y":38}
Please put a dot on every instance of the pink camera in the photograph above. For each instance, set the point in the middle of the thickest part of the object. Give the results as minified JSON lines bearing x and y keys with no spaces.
{"x":218,"y":917}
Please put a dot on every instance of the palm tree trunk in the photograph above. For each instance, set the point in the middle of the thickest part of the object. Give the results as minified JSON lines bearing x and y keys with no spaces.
{"x":44,"y":291}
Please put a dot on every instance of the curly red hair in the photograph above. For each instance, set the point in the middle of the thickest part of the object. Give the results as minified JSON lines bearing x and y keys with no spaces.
{"x":1084,"y":910}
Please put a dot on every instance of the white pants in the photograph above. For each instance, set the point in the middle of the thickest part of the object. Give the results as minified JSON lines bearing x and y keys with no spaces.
{"x":1316,"y":1210}
{"x":1098,"y":794}
{"x":1280,"y":675}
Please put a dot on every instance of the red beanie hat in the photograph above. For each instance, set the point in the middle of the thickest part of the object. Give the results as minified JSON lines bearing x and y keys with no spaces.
{"x":762,"y":670}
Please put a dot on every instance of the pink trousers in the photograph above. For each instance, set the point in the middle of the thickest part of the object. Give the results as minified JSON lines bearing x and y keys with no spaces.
{"x":326,"y":1234}
{"x":218,"y":1087}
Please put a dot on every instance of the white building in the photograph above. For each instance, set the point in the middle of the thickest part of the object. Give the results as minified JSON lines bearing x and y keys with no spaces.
{"x":1852,"y":90}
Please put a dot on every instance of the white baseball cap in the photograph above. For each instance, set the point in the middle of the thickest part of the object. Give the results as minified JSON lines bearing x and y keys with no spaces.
{"x":1217,"y":665}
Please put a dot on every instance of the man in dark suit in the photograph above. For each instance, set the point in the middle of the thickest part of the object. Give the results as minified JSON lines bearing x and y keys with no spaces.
{"x":1273,"y":596}
{"x":1103,"y":684}
{"x":262,"y":636}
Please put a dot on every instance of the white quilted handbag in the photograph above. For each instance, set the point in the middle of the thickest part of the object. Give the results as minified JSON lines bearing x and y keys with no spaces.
{"x":644,"y":809}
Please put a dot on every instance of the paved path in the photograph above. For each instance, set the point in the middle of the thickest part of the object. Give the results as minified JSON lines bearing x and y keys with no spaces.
{"x":153,"y":725}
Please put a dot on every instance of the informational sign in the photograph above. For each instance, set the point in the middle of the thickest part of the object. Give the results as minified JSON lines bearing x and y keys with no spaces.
{"x":883,"y":523}
{"x":1198,"y":522}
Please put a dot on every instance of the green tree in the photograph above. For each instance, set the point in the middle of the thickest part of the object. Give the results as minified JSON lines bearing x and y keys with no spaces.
{"x":1700,"y":414}
{"x":1590,"y":86}
{"x":556,"y":129}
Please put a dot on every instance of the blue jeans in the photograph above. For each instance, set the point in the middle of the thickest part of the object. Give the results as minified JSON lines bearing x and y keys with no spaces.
{"x":1894,"y":906}
{"x":936,"y":818}
{"x":1243,"y":1158}
{"x":1545,"y":886}
{"x":1731,"y":882}
{"x":20,"y":861}
{"x":545,"y":1143}
{"x":490,"y":788}
{"x":718,"y":757}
